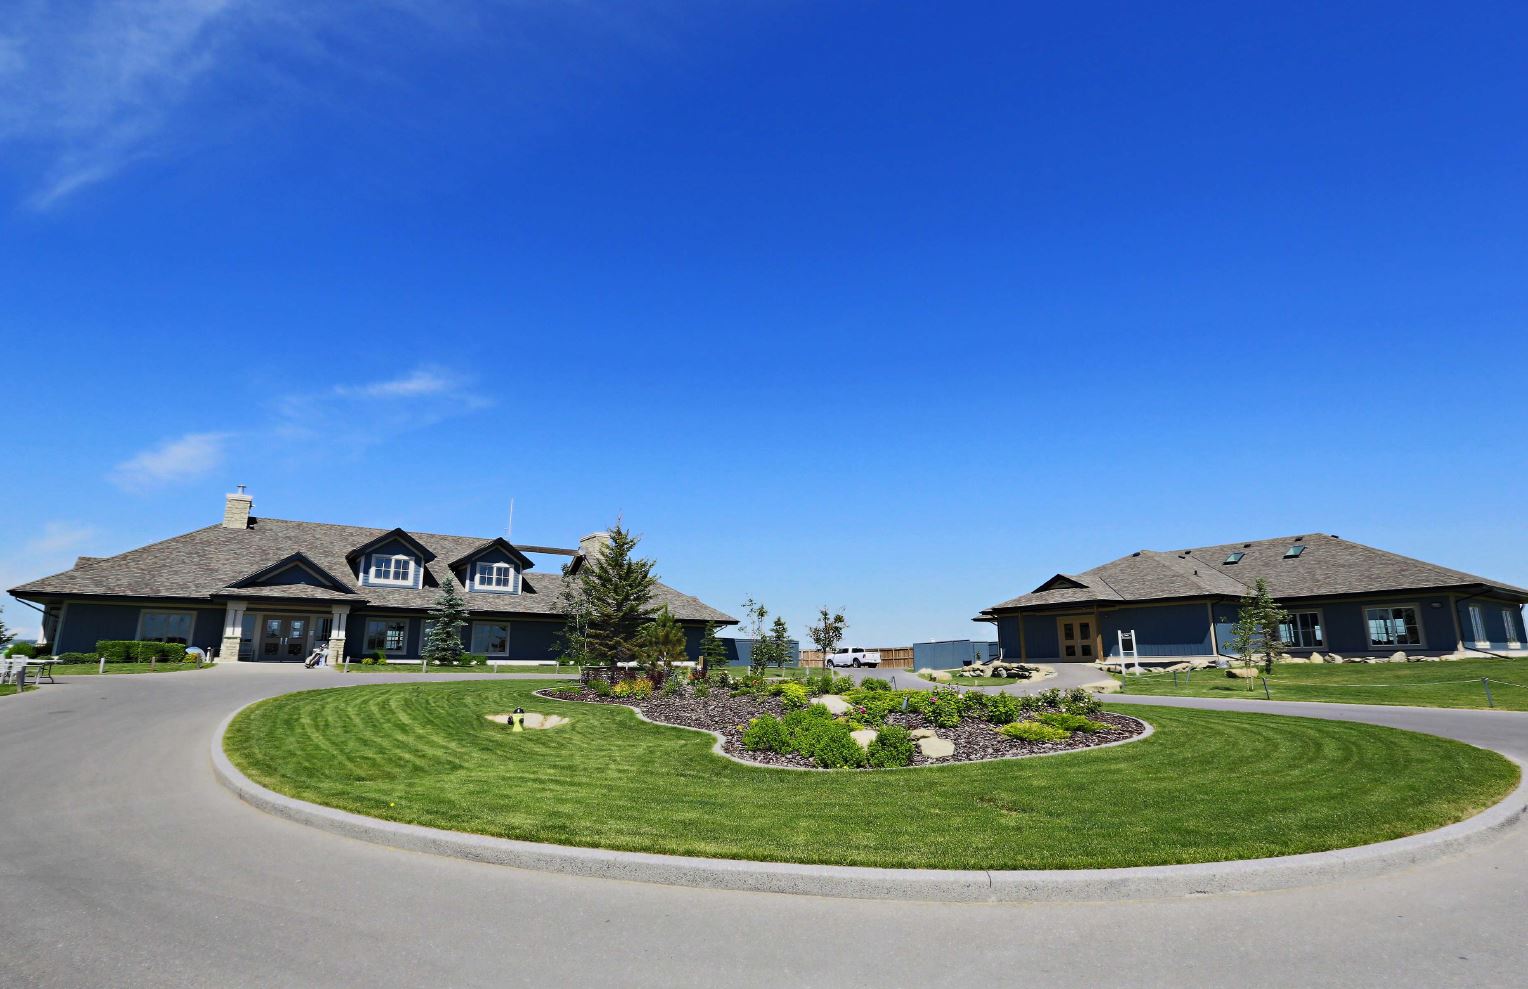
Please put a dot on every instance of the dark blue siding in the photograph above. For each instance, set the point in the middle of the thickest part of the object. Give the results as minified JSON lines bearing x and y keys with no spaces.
{"x":85,"y":624}
{"x":1040,"y":641}
{"x":1495,"y":615}
{"x":1346,"y":630}
{"x":951,"y":653}
{"x":1166,"y":630}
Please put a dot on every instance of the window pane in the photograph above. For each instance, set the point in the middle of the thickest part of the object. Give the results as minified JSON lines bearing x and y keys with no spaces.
{"x":490,"y":639}
{"x":1082,"y":631}
{"x":1071,"y":650}
{"x":1066,"y":631}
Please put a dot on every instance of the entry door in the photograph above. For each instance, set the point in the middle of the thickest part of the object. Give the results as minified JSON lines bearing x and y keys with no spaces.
{"x":1076,"y":635}
{"x":284,"y":640}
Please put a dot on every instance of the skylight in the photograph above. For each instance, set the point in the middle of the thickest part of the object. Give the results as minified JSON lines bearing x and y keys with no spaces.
{"x":1233,"y":558}
{"x":1293,"y":551}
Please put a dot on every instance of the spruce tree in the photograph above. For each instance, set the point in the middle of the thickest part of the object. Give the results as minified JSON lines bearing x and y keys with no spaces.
{"x":6,"y":635}
{"x":443,"y":631}
{"x":662,"y":641}
{"x":620,"y":589}
{"x":713,"y":653}
{"x":779,"y":643}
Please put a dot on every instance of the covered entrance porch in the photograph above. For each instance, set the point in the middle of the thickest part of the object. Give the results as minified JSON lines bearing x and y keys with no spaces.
{"x":281,"y":634}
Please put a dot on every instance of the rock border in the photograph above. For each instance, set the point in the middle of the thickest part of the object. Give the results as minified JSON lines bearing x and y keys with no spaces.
{"x":860,"y":882}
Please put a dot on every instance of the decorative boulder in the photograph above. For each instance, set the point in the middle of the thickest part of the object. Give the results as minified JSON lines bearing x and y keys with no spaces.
{"x":1242,"y":673}
{"x":937,"y":676}
{"x":918,"y":733}
{"x":1316,"y":657}
{"x":864,"y":736}
{"x":835,"y":704}
{"x":936,"y":748}
{"x":1398,"y":657}
{"x":1333,"y":658}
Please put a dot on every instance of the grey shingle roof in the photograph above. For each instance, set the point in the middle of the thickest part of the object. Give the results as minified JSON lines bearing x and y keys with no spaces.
{"x":207,"y":562}
{"x":1328,"y":566}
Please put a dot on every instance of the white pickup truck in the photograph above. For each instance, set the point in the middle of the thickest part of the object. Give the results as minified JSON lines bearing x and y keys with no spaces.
{"x":853,"y":656}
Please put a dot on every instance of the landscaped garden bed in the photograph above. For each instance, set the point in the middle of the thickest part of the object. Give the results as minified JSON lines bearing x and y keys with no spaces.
{"x":806,"y":725}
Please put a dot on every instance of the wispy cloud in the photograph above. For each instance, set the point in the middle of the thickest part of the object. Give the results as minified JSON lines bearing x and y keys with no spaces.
{"x":424,"y":381}
{"x":45,"y":551}
{"x":90,"y":87}
{"x":188,"y":457}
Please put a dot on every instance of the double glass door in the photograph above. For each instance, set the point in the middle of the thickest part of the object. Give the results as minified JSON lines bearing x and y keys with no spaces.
{"x":283,"y":639}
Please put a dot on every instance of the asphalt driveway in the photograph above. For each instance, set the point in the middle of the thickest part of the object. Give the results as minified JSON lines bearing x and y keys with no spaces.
{"x":123,"y":863}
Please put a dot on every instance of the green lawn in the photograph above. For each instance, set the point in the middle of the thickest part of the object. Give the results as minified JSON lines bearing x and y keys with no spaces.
{"x":1450,"y":684}
{"x":1207,"y":786}
{"x":84,"y":669}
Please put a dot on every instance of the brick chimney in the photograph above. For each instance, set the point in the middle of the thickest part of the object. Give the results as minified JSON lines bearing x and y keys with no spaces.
{"x":236,"y":510}
{"x":594,"y":544}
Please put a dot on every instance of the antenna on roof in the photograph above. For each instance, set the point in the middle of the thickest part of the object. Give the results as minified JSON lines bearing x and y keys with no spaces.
{"x":509,"y":526}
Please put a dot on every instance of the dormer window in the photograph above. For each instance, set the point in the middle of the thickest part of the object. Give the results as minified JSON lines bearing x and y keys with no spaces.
{"x":397,"y":569}
{"x":494,"y":577}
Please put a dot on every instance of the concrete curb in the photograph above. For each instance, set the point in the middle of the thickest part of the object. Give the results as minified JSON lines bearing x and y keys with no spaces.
{"x":969,"y":886}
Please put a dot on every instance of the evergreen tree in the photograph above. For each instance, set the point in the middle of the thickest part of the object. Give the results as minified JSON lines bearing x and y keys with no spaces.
{"x":779,"y":643}
{"x":662,"y":641}
{"x":1257,"y":629}
{"x":443,"y":631}
{"x":620,"y":588}
{"x":713,"y":653}
{"x":6,"y":635}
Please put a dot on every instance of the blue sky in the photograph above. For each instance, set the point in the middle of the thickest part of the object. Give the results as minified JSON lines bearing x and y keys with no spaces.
{"x":895,"y":307}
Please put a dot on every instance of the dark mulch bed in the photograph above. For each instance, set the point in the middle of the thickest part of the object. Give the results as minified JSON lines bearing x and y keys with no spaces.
{"x":728,"y":716}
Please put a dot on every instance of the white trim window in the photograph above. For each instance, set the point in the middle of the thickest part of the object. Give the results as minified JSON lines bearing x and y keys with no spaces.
{"x":1478,"y":625}
{"x":1303,"y":630}
{"x":494,"y":577}
{"x":490,"y":638}
{"x":386,"y":635}
{"x":166,"y":626}
{"x":1394,"y":625}
{"x":1509,"y":618}
{"x":394,"y":569}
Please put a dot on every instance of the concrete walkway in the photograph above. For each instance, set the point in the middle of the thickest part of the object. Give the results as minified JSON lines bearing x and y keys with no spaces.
{"x":123,"y":863}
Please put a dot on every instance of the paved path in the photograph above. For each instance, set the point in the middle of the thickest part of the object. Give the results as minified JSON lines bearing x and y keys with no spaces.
{"x":122,"y":863}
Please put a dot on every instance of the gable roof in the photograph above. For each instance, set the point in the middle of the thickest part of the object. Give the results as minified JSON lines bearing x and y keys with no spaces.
{"x":525,"y":562}
{"x":386,"y":537}
{"x":298,"y":559}
{"x":1328,"y":566}
{"x":211,"y":563}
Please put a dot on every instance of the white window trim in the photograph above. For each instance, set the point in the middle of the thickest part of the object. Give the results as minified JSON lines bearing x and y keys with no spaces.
{"x":1321,"y":620}
{"x":1421,"y":626}
{"x":513,"y":587}
{"x":1511,"y":616}
{"x":392,"y":558}
{"x":366,"y":637}
{"x":1477,"y":613}
{"x":472,"y":637}
{"x":146,"y":612}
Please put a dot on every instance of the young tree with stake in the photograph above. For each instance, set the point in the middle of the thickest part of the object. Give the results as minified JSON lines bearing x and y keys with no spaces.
{"x":827,"y":633}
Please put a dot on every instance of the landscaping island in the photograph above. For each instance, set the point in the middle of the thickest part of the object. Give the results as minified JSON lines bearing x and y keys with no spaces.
{"x":1205,"y":786}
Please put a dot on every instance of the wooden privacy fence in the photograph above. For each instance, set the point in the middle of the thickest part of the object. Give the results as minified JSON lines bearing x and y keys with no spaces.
{"x":892,"y":657}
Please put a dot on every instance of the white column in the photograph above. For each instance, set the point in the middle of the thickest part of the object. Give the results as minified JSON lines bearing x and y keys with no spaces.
{"x":233,"y":632}
{"x":341,"y":614}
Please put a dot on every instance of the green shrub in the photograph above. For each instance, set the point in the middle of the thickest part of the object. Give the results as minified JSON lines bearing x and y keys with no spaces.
{"x":834,"y":748}
{"x":116,"y":650}
{"x":673,"y":684}
{"x":23,"y":649}
{"x":893,"y":746}
{"x":766,"y":733}
{"x":1049,"y":698}
{"x":78,"y":657}
{"x":1071,"y":722}
{"x":1079,"y":701}
{"x":473,"y":659}
{"x":1000,"y":709}
{"x":635,"y":688}
{"x":874,"y":683}
{"x":131,"y":651}
{"x":601,"y":688}
{"x":1034,"y":731}
{"x":792,"y":695}
{"x":943,"y":709}
{"x":800,"y":725}
{"x":702,"y":689}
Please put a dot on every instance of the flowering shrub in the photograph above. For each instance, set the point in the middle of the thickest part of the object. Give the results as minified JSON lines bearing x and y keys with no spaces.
{"x":636,"y":687}
{"x":943,"y":710}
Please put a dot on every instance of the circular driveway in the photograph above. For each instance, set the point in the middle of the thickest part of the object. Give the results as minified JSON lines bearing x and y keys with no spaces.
{"x":124,"y":863}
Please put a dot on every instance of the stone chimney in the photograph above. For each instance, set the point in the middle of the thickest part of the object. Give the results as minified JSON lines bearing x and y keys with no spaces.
{"x":594,"y":544}
{"x":236,"y":510}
